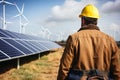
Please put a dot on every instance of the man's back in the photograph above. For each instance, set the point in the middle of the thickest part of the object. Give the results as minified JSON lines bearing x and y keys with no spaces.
{"x":93,"y":49}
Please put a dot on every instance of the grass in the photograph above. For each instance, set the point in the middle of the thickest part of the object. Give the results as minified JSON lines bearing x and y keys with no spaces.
{"x":23,"y":74}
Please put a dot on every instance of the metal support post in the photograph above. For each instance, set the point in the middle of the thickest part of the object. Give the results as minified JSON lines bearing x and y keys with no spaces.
{"x":18,"y":63}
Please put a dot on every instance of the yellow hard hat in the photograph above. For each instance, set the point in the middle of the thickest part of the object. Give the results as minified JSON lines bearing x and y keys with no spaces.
{"x":90,"y":11}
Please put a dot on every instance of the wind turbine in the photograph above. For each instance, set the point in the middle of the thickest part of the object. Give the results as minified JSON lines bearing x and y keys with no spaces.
{"x":4,"y":16}
{"x":21,"y":15}
{"x":48,"y":33}
{"x":45,"y":32}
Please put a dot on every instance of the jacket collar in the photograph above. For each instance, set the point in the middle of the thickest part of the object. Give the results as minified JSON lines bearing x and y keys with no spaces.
{"x":89,"y":27}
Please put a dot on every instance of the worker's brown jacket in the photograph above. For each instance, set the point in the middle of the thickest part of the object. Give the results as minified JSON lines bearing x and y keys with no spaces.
{"x":88,"y":49}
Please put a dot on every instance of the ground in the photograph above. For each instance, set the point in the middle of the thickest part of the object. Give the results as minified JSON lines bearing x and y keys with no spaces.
{"x":45,"y":68}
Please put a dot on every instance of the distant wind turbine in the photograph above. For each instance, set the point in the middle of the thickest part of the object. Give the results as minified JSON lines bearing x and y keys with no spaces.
{"x":60,"y":36}
{"x":21,"y":15}
{"x":45,"y":32}
{"x":48,"y":33}
{"x":4,"y":3}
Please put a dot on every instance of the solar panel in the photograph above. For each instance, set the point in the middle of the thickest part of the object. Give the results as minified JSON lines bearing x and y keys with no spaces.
{"x":15,"y":45}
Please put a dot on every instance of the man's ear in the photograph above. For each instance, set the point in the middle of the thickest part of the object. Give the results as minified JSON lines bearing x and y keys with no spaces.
{"x":83,"y":22}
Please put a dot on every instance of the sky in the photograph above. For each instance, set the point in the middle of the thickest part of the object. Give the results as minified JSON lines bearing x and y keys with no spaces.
{"x":57,"y":19}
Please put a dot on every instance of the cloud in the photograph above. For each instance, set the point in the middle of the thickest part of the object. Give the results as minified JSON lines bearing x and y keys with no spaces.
{"x":69,"y":11}
{"x":111,"y":7}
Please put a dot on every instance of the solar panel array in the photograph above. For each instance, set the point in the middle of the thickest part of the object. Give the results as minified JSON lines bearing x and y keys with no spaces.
{"x":15,"y":45}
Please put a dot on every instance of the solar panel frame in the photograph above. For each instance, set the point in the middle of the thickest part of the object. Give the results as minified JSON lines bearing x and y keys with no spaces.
{"x":3,"y":55}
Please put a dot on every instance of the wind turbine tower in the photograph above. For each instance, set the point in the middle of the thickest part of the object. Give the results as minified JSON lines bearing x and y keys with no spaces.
{"x":4,"y":3}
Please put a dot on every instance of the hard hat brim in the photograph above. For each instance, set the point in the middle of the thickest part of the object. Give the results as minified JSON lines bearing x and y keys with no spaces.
{"x":80,"y":16}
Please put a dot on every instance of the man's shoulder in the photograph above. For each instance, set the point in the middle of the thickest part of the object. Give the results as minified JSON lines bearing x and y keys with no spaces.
{"x":76,"y":34}
{"x":87,"y":33}
{"x":107,"y":36}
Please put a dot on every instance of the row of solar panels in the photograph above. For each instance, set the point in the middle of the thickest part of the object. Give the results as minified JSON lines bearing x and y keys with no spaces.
{"x":15,"y":45}
{"x":9,"y":34}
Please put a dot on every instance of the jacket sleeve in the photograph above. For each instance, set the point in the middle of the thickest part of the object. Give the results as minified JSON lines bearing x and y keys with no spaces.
{"x":66,"y":59}
{"x":115,"y":62}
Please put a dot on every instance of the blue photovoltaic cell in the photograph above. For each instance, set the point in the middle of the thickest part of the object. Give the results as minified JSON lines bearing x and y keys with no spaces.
{"x":28,"y":46}
{"x":10,"y":34}
{"x":9,"y":50}
{"x":44,"y":47}
{"x":3,"y":31}
{"x":37,"y":38}
{"x":2,"y":35}
{"x":20,"y":36}
{"x":47,"y":44}
{"x":32,"y":45}
{"x":15,"y":45}
{"x":41,"y":47}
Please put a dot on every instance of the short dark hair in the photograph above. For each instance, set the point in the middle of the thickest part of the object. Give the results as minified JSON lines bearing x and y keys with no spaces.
{"x":89,"y":20}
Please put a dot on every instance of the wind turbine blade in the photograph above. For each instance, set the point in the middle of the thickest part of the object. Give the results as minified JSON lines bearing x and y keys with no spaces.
{"x":22,"y":9}
{"x":9,"y":22}
{"x":1,"y":18}
{"x":18,"y":8}
{"x":8,"y":3}
{"x":25,"y":24}
{"x":16,"y":15}
{"x":1,"y":1}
